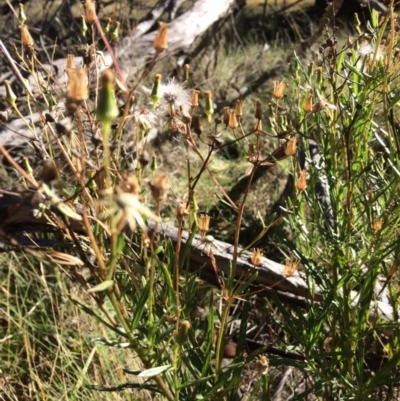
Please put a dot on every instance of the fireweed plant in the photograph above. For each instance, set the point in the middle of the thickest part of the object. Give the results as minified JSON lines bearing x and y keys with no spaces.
{"x":337,"y":135}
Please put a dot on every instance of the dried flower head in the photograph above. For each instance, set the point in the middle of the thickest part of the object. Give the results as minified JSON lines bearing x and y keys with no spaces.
{"x":70,"y":61}
{"x":308,"y":105}
{"x":253,"y":154}
{"x":197,"y":126}
{"x":49,"y":172}
{"x":258,"y":111}
{"x":144,"y":118}
{"x":204,"y":223}
{"x":181,"y":210}
{"x":90,"y":12}
{"x":160,"y":42}
{"x":291,"y":266}
{"x":195,"y":98}
{"x":377,"y":225}
{"x":262,"y":364}
{"x":290,"y":148}
{"x":209,"y":107}
{"x":256,"y":257}
{"x":127,"y":209}
{"x":129,"y":183}
{"x":77,"y":88}
{"x":184,"y":115}
{"x":181,"y":335}
{"x":279,"y":89}
{"x":158,"y":188}
{"x":322,"y":105}
{"x":258,"y":128}
{"x":239,"y":108}
{"x":232,"y":121}
{"x":301,"y":183}
{"x":26,"y":38}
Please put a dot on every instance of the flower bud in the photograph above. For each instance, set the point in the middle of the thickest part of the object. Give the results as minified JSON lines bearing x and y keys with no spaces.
{"x":115,"y":32}
{"x":21,"y":14}
{"x":10,"y":95}
{"x":156,"y":91}
{"x":186,"y":69}
{"x":107,"y":109}
{"x":84,"y":27}
{"x":108,"y":25}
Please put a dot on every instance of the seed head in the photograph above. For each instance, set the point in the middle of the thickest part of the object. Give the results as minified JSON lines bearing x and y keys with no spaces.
{"x":181,"y":210}
{"x":130,"y":183}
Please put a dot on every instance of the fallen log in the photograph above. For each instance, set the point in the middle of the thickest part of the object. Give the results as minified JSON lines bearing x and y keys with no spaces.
{"x":17,"y":217}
